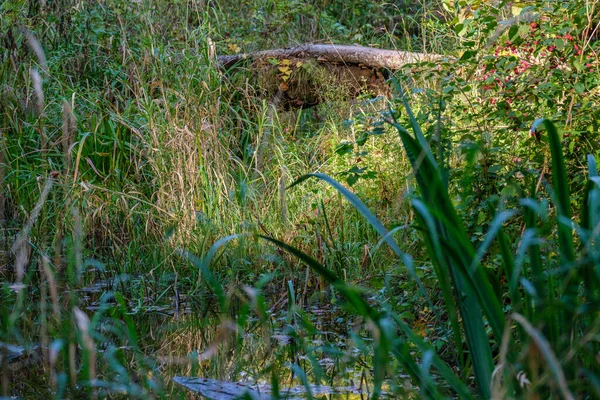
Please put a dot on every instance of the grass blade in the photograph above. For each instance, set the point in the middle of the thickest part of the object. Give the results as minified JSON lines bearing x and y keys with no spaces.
{"x":401,"y":349}
{"x":473,"y":290}
{"x":446,"y":372}
{"x":561,"y":189}
{"x":358,"y":305}
{"x":560,"y":182}
{"x":435,"y":251}
{"x":450,"y":226}
{"x":414,"y":124}
{"x":375,"y":223}
{"x":546,"y":351}
{"x":203,"y":264}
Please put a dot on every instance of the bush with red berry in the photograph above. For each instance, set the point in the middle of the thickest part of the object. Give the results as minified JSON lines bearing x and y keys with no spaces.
{"x":541,"y":61}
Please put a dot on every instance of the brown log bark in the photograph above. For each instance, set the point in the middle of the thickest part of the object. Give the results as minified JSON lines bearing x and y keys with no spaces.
{"x":334,"y":53}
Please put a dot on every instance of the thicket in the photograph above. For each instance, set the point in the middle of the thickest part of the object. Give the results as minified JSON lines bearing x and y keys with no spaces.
{"x":157,"y":218}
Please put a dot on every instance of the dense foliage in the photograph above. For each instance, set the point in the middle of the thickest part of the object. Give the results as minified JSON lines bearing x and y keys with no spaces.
{"x":160,"y":217}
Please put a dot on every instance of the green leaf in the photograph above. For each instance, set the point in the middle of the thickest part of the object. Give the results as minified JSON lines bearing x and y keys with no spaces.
{"x":351,"y":179}
{"x":362,"y":139}
{"x":513,"y":32}
{"x":468,"y":54}
{"x":561,"y":189}
{"x":356,"y":170}
{"x":344,"y":148}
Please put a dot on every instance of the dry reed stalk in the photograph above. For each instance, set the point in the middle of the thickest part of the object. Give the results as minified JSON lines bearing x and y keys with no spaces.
{"x":20,"y":247}
{"x":43,"y":316}
{"x":53,"y":287}
{"x":36,"y":47}
{"x":4,"y":370}
{"x":2,"y":201}
{"x":77,"y":242}
{"x":498,"y":390}
{"x":69,"y":128}
{"x":260,"y":152}
{"x":38,"y":88}
{"x":53,"y":353}
{"x":226,"y":330}
{"x":83,"y":323}
{"x":282,"y":198}
{"x":72,"y":365}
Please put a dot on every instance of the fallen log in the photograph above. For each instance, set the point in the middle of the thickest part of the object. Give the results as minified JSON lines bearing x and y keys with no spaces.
{"x":335,"y":53}
{"x":306,"y":73}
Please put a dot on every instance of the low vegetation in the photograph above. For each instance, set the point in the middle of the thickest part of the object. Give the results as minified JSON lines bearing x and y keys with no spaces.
{"x":161,"y":216}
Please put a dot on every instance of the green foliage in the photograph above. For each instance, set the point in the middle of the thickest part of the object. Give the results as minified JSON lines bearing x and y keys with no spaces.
{"x":122,"y":143}
{"x":469,"y":290}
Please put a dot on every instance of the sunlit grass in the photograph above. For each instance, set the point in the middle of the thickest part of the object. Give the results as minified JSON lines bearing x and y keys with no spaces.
{"x":122,"y":143}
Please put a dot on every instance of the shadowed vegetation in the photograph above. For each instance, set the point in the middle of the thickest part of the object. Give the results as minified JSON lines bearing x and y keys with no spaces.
{"x":162,"y":217}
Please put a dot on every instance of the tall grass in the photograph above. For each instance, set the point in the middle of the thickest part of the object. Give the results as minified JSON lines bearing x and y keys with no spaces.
{"x":121,"y":142}
{"x":552,"y":352}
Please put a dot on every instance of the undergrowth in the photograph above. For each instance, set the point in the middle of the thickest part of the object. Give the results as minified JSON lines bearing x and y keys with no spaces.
{"x":153,"y":222}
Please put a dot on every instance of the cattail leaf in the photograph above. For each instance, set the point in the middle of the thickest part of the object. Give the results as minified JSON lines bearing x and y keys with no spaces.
{"x":531,"y":244}
{"x":495,"y":227}
{"x":590,"y":219}
{"x":474,"y":292}
{"x":561,"y":189}
{"x":592,"y":168}
{"x":360,"y":306}
{"x":414,"y":124}
{"x":375,"y":223}
{"x":434,"y":248}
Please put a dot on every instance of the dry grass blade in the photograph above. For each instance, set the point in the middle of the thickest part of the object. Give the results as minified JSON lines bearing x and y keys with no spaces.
{"x":19,"y":247}
{"x":53,"y":287}
{"x":69,"y":128}
{"x":548,"y":354}
{"x":36,"y":78}
{"x":83,"y":323}
{"x":36,"y":47}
